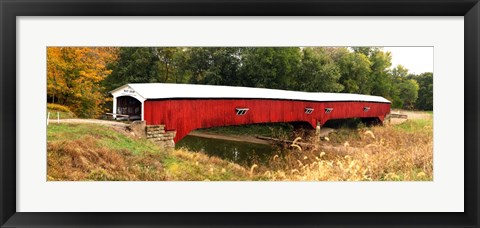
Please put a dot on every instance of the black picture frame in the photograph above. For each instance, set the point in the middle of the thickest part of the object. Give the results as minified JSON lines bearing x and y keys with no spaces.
{"x":10,"y":9}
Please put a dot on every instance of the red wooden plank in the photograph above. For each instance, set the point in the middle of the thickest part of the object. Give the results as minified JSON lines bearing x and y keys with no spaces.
{"x":186,"y":115}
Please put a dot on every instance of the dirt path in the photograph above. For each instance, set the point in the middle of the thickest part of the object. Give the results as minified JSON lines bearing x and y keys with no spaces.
{"x":410,"y":115}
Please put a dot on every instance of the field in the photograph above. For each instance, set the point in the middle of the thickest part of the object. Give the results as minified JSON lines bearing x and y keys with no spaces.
{"x":401,"y":152}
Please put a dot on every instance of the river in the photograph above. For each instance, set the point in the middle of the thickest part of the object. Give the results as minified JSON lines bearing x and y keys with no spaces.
{"x":242,"y":153}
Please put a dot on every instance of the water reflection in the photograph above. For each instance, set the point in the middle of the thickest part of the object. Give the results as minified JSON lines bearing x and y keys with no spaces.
{"x":239,"y":152}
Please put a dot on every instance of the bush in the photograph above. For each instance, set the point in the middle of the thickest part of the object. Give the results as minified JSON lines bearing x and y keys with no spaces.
{"x":58,"y":107}
{"x":64,"y":111}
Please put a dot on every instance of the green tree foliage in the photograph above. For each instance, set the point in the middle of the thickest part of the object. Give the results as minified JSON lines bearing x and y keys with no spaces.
{"x":213,"y":65}
{"x":399,"y":72}
{"x":145,"y":64}
{"x":318,"y":72}
{"x":134,"y":65}
{"x":425,"y":91}
{"x":170,"y":59}
{"x":81,"y":77}
{"x":380,"y":78}
{"x":408,"y":92}
{"x":405,"y":89}
{"x":275,"y":68}
{"x":354,"y":70}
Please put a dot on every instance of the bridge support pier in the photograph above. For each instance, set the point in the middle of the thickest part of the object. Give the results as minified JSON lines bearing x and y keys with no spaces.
{"x":159,"y":135}
{"x":317,"y":129}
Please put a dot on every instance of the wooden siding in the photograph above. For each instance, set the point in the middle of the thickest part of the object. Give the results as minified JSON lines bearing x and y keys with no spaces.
{"x":185,"y":115}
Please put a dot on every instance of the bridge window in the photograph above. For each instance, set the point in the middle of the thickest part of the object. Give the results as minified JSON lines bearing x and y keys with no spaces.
{"x":365,"y":109}
{"x":328,"y":110}
{"x":308,"y":110}
{"x":241,"y":111}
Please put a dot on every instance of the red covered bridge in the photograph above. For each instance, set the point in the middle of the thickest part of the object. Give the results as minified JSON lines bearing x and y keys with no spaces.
{"x":185,"y":107}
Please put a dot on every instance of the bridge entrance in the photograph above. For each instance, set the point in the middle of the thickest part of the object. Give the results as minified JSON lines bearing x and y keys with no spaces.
{"x":127,"y":105}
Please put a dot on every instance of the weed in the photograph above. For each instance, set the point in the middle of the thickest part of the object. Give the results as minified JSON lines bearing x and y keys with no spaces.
{"x":391,"y":153}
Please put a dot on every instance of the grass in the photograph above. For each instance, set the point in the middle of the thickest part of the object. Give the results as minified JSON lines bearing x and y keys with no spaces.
{"x":95,"y":152}
{"x":391,"y":153}
{"x":401,"y":152}
{"x":415,"y":125}
{"x":110,"y":138}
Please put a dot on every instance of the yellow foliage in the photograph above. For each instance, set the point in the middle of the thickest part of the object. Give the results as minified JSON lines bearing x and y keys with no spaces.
{"x":74,"y":75}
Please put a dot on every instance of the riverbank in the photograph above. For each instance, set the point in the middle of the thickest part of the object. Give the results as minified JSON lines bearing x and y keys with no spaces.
{"x":245,"y":138}
{"x":82,"y":151}
{"x":235,"y":138}
{"x":79,"y":151}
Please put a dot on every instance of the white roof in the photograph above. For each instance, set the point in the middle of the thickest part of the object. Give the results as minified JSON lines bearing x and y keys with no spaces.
{"x":170,"y":90}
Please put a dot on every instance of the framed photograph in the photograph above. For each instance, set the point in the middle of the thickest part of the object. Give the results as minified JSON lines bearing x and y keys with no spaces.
{"x":312,"y":62}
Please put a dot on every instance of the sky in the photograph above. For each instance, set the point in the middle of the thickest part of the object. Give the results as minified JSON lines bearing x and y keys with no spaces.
{"x":416,"y":59}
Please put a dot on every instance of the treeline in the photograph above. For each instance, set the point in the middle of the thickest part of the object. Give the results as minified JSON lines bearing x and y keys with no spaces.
{"x":314,"y":69}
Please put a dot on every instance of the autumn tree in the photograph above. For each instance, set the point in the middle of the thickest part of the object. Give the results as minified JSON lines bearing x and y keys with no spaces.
{"x":56,"y":81}
{"x":74,"y":75}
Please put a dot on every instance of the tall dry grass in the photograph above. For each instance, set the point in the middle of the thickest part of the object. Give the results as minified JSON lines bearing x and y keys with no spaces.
{"x":85,"y":152}
{"x":84,"y":159}
{"x":382,"y":153}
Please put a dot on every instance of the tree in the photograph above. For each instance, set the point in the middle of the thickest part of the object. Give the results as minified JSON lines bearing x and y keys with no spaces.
{"x":408,"y":93}
{"x":399,"y":72}
{"x":354,"y":69}
{"x":169,"y":61}
{"x":56,"y":81}
{"x":197,"y":64}
{"x":214,"y":65}
{"x":425,"y":92}
{"x":367,"y":51}
{"x":275,"y":68}
{"x":381,"y":78}
{"x":404,"y":90}
{"x":74,"y":75}
{"x":134,"y":65}
{"x":318,"y":72}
